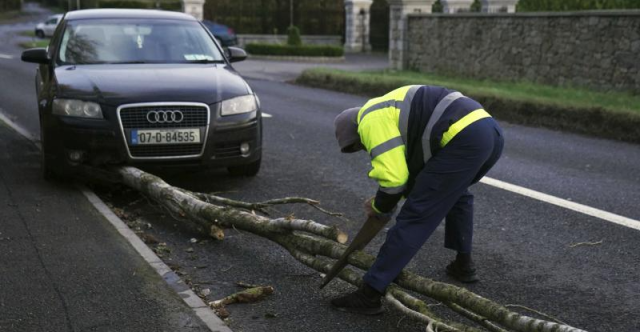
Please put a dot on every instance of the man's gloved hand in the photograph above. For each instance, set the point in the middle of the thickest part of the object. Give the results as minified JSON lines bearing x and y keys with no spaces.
{"x":371,"y":211}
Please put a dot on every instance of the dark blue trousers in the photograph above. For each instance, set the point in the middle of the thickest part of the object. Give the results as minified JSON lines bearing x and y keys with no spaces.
{"x":440,"y":191}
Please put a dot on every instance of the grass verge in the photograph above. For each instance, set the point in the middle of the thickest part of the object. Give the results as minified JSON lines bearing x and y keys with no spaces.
{"x":599,"y":114}
{"x":35,"y":43}
{"x":28,"y":33}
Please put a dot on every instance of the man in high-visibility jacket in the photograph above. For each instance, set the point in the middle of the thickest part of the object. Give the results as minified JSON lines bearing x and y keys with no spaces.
{"x":428,"y":144}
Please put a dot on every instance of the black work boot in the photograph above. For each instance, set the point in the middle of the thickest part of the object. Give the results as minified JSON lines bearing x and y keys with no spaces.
{"x":365,"y":301}
{"x":463,"y":269}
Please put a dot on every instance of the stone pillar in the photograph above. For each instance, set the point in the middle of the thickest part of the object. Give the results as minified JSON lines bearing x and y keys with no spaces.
{"x":499,"y":6}
{"x":399,"y":9}
{"x":456,"y":6}
{"x":357,"y":25}
{"x":194,"y":8}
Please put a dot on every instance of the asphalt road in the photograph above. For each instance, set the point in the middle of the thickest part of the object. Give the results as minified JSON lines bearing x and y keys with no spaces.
{"x":522,"y":246}
{"x":64,"y":266}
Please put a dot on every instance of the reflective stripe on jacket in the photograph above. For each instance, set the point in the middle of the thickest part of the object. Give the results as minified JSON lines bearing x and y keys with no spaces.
{"x":384,"y":129}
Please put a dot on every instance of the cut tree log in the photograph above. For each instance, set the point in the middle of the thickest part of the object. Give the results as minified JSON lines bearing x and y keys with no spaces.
{"x":249,"y":295}
{"x":308,"y":242}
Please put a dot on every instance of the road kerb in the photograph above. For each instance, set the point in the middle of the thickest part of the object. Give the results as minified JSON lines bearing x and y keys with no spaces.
{"x":208,"y":317}
{"x":213,"y":322}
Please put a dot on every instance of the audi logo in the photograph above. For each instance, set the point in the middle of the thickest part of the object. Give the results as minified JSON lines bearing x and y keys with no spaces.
{"x":165,"y":117}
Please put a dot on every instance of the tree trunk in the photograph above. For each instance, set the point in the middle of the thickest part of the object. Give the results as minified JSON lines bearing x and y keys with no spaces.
{"x":307,"y":241}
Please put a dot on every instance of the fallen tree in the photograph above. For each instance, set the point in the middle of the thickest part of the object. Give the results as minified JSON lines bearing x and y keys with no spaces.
{"x":314,"y":244}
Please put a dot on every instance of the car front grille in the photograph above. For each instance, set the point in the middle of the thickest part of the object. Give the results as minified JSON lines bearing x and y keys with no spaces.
{"x":148,"y":151}
{"x":134,"y":117}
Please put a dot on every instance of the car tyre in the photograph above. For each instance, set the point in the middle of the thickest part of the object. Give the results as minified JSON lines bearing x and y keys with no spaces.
{"x":248,"y":170}
{"x":40,"y":34}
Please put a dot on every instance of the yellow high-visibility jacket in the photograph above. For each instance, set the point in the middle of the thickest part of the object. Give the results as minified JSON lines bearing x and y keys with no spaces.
{"x":437,"y":114}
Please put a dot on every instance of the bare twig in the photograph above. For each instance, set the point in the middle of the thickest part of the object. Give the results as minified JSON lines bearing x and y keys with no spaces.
{"x":261,"y":206}
{"x":245,"y":285}
{"x":423,"y":316}
{"x":234,"y":227}
{"x":585,"y":244}
{"x":536,"y":312}
{"x":400,"y":321}
{"x":476,"y":318}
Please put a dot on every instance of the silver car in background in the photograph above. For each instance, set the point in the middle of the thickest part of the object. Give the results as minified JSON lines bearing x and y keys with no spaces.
{"x":46,"y":28}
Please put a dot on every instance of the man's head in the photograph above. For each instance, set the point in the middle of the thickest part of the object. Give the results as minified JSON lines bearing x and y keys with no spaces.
{"x":346,"y":125}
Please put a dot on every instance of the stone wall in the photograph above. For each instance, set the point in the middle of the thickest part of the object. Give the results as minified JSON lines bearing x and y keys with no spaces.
{"x":594,"y":49}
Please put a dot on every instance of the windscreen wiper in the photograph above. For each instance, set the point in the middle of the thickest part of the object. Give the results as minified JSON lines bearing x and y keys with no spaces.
{"x":205,"y":61}
{"x":126,"y":62}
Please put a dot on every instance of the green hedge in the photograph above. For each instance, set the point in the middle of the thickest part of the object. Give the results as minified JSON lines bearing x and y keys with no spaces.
{"x":593,"y":121}
{"x":7,"y":5}
{"x":293,"y":36}
{"x":317,"y":17}
{"x":569,"y":5}
{"x":288,"y":50}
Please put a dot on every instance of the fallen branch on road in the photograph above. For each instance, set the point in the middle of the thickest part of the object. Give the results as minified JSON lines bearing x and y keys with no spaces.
{"x":586,"y":244}
{"x":249,"y":295}
{"x":312,"y":244}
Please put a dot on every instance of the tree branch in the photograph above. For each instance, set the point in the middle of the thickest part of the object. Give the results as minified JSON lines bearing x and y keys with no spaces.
{"x":312,"y":239}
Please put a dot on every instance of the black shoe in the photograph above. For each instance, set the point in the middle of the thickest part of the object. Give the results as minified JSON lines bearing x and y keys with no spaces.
{"x":462,"y":272}
{"x":365,"y":301}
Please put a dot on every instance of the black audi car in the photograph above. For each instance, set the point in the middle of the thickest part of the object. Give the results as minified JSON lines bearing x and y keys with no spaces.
{"x":143,"y":87}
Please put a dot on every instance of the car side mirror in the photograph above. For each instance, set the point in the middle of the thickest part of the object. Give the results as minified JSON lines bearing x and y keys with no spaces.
{"x":236,"y":54}
{"x":35,"y":55}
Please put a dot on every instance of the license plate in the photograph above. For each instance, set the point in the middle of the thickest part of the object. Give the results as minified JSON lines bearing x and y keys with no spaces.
{"x":165,"y":136}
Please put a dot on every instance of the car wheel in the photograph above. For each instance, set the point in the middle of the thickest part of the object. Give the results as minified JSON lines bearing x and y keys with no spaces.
{"x":250,"y":169}
{"x":40,"y":34}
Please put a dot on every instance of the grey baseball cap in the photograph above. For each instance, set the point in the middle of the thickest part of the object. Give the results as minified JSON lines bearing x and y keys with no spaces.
{"x":346,"y":124}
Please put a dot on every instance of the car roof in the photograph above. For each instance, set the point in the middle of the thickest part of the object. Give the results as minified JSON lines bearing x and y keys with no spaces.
{"x":126,"y":13}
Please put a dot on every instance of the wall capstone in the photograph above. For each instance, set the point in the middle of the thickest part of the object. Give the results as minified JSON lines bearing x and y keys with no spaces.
{"x":499,"y":6}
{"x":398,"y":11}
{"x":194,"y":8}
{"x":456,"y":6}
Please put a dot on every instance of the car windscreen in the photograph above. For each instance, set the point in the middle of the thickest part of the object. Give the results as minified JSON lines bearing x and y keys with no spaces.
{"x":118,"y":41}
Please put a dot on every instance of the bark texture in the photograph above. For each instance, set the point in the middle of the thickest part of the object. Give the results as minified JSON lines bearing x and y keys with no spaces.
{"x":312,"y":243}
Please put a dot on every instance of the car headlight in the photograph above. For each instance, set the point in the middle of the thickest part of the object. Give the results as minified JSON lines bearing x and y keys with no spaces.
{"x":77,"y":108}
{"x":239,"y":105}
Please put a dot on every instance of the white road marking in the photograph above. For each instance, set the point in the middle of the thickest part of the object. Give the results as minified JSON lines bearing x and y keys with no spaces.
{"x":6,"y":56}
{"x":584,"y":209}
{"x":21,"y":130}
{"x":266,"y":115}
